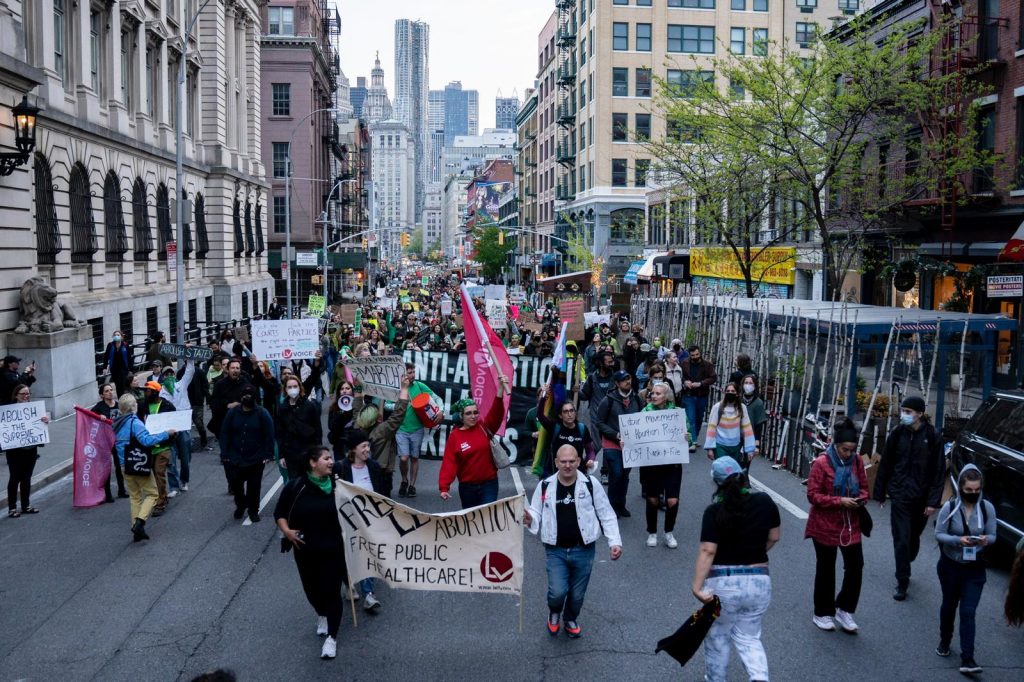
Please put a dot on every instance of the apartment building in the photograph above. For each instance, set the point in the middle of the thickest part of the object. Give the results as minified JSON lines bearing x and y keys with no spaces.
{"x":530,"y":246}
{"x":93,"y":211}
{"x":394,"y":183}
{"x":547,"y":131}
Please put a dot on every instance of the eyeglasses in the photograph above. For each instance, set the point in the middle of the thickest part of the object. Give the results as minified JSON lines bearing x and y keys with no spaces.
{"x":21,"y":393}
{"x":569,"y":410}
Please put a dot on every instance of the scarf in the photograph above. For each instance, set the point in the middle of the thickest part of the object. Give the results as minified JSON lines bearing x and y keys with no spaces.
{"x":322,"y":482}
{"x":845,"y":484}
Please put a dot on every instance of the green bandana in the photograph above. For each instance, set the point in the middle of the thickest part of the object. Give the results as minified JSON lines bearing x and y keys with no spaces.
{"x":322,"y":482}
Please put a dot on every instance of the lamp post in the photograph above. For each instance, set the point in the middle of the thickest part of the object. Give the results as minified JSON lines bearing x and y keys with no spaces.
{"x":24,"y":136}
{"x":179,"y":178}
{"x":323,"y":219}
{"x":288,"y":205}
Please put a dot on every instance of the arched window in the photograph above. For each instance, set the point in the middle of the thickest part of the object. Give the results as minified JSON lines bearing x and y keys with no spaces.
{"x":186,"y":230}
{"x":260,"y":247}
{"x":250,"y":245}
{"x":627,"y":225}
{"x":236,"y":216}
{"x":47,"y":227}
{"x":83,"y":226}
{"x":113,"y":219}
{"x":141,"y":231}
{"x":163,"y":220}
{"x":202,"y":237}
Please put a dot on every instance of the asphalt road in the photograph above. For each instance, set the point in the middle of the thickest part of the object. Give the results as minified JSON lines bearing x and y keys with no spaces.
{"x":80,"y":601}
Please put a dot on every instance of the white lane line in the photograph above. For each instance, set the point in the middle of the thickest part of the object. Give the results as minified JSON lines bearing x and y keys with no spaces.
{"x":779,"y":499}
{"x":266,"y":498}
{"x":514,"y":470}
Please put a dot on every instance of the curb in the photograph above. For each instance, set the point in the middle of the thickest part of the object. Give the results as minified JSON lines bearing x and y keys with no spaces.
{"x":56,"y":472}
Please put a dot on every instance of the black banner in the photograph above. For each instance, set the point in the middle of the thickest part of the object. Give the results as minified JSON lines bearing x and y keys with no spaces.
{"x":178,"y":350}
{"x":447,"y":374}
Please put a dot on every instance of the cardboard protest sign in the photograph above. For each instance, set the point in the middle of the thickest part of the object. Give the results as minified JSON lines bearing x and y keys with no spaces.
{"x":572,"y":312}
{"x":348,"y":313}
{"x":179,"y":420}
{"x":242,"y":334}
{"x":654,"y":437}
{"x":474,"y":550}
{"x":285,"y":339}
{"x":317,"y":304}
{"x":497,"y":313}
{"x":380,"y":376}
{"x":180,"y":350}
{"x":21,"y":425}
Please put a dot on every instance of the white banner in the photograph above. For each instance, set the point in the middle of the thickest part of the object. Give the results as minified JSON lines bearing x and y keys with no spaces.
{"x":179,"y":420}
{"x":654,"y":437}
{"x":474,"y":550}
{"x":497,"y":313}
{"x":285,"y":339}
{"x":446,"y":307}
{"x":380,"y":376}
{"x":495,"y":291}
{"x":21,"y":425}
{"x":590,"y":319}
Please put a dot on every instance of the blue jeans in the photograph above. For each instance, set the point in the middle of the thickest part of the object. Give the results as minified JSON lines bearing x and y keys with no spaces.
{"x":183,"y":444}
{"x":568,"y":576}
{"x":695,"y":409}
{"x":366,"y":586}
{"x":410,"y":443}
{"x":475,"y":494}
{"x":618,"y":479}
{"x":961,"y":586}
{"x":745,"y":599}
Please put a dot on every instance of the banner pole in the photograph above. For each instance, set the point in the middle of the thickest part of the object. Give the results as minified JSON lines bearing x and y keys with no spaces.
{"x":352,"y":601}
{"x":521,"y":591}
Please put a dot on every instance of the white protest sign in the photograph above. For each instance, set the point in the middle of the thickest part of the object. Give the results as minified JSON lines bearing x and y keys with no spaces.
{"x":21,"y":425}
{"x":654,"y":437}
{"x":446,"y":307}
{"x":497,"y":314}
{"x":495,"y":291}
{"x":590,"y":319}
{"x":285,"y":339}
{"x":474,"y":550}
{"x":179,"y":420}
{"x":381,"y":292}
{"x":380,"y":376}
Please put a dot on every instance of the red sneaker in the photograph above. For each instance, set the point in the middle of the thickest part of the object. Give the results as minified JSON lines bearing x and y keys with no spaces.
{"x":554,"y":623}
{"x":572,"y":628}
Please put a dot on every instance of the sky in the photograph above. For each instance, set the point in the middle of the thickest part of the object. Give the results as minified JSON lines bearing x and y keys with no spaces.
{"x":489,"y":45}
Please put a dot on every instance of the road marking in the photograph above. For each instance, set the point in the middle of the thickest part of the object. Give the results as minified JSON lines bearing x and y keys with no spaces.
{"x":779,"y":499}
{"x":515,"y":479}
{"x":266,"y":498}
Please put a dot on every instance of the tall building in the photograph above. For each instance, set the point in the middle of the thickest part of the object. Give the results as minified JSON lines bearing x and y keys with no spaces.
{"x":92,"y":211}
{"x":453,"y":214}
{"x":505,"y":111}
{"x":435,"y":125}
{"x":357,"y":96}
{"x":547,"y":129}
{"x":435,"y":110}
{"x":394,"y":181}
{"x":377,"y":105}
{"x":412,"y":83}
{"x":432,"y":219}
{"x":456,"y":111}
{"x":301,"y":73}
{"x":472,"y":112}
{"x":532,"y":247}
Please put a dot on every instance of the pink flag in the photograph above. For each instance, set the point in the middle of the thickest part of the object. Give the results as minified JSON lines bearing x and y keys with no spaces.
{"x":94,"y":439}
{"x":482,"y":374}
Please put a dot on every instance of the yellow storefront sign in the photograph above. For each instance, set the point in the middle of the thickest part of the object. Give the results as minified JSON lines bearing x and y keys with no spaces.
{"x":772,"y":265}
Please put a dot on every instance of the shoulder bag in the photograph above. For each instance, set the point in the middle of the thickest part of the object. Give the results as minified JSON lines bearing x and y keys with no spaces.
{"x":138,"y":459}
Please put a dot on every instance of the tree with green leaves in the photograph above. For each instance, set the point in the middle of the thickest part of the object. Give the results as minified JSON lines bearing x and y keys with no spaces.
{"x":492,"y":256}
{"x":415,"y":246}
{"x":822,"y":134}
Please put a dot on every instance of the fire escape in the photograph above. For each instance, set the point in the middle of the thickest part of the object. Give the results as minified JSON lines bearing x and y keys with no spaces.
{"x":565,"y":115}
{"x":969,"y":48}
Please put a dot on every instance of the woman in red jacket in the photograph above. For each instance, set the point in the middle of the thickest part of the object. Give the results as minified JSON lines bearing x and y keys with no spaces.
{"x":837,"y":488}
{"x":467,"y":454}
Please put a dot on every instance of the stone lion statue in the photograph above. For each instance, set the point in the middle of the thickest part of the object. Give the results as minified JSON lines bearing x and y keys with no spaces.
{"x":40,"y":311}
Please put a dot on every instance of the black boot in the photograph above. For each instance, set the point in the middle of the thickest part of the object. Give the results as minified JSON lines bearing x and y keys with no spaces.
{"x":139,"y":530}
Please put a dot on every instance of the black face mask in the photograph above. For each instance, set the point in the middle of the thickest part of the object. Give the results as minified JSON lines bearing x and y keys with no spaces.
{"x":970,"y":498}
{"x":248,"y":401}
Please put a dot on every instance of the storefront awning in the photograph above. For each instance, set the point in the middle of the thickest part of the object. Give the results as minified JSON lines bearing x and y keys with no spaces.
{"x":961,"y":249}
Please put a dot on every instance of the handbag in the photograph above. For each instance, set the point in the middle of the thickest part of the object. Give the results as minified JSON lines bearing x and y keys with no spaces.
{"x":867,"y":524}
{"x":499,"y":453}
{"x":138,"y":459}
{"x":684,"y":642}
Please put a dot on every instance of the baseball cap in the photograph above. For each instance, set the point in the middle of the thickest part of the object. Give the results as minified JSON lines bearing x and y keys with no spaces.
{"x":153,"y":385}
{"x":645,"y":347}
{"x":11,"y":358}
{"x":724,"y":467}
{"x":621,"y":375}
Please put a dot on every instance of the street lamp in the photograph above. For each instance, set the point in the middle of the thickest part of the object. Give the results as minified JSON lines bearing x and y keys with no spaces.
{"x":323,"y":219}
{"x":24,"y":136}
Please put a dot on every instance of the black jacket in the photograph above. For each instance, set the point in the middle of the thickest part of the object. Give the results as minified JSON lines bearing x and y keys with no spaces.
{"x":913,"y":466}
{"x":611,"y":407}
{"x":225,"y":391}
{"x":311,"y":512}
{"x":343,"y":470}
{"x":199,"y":387}
{"x":8,"y":380}
{"x":298,"y":429}
{"x":247,"y":437}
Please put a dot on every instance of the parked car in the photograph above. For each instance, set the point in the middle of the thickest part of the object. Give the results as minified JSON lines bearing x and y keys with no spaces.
{"x":993,"y":440}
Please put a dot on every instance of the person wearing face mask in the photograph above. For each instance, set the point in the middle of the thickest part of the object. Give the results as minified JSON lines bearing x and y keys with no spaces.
{"x":176,"y":391}
{"x":698,"y":377}
{"x":911,"y":473}
{"x":836,"y":489}
{"x":751,"y":399}
{"x":619,"y":401}
{"x":965,"y":526}
{"x":730,"y":433}
{"x":119,"y":363}
{"x":246,"y":446}
{"x":298,"y":427}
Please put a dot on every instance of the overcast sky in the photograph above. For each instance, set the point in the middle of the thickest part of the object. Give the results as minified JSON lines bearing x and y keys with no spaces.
{"x":489,"y":45}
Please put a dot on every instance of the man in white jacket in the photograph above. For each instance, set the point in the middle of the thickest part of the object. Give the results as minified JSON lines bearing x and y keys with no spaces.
{"x":175,"y":391}
{"x":570,"y":511}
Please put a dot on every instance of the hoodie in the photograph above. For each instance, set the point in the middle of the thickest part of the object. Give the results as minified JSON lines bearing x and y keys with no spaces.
{"x":949,"y":527}
{"x":175,"y":391}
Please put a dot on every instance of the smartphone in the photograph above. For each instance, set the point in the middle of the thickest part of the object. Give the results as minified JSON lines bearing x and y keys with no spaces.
{"x":976,"y":538}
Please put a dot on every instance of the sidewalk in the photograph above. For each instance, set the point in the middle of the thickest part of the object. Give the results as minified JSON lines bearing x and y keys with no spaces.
{"x":55,"y":459}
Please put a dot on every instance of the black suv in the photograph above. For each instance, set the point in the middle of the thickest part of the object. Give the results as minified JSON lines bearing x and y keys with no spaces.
{"x":993,"y":440}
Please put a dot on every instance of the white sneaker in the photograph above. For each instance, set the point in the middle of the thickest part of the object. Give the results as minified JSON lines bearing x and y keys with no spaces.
{"x":652,"y":540}
{"x":172,"y":493}
{"x":321,"y":626}
{"x":824,"y":623}
{"x":353,"y":593}
{"x":670,"y":541}
{"x":330,"y":648}
{"x":846,"y":621}
{"x":184,"y":487}
{"x":370,"y":602}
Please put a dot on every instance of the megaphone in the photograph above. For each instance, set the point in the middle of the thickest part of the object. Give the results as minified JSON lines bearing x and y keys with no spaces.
{"x":345,"y":403}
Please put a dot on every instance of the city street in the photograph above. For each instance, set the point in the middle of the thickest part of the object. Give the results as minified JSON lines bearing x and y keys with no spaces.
{"x":79,"y":601}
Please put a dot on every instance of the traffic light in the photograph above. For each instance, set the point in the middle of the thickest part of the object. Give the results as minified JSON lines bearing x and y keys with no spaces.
{"x":405,"y":240}
{"x":365,"y":243}
{"x":501,"y":238}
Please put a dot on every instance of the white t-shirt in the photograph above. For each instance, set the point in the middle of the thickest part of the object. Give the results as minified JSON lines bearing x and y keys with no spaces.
{"x":361,"y":478}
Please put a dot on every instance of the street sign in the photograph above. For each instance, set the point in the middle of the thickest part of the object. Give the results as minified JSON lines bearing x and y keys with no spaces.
{"x":172,"y":256}
{"x":999,"y":286}
{"x":306,"y":259}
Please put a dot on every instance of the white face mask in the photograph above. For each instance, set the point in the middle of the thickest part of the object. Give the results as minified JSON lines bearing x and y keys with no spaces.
{"x":293,"y":392}
{"x":748,"y":388}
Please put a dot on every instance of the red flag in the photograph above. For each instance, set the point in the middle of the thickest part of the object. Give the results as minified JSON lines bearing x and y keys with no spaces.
{"x":94,"y":439}
{"x":482,"y":374}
